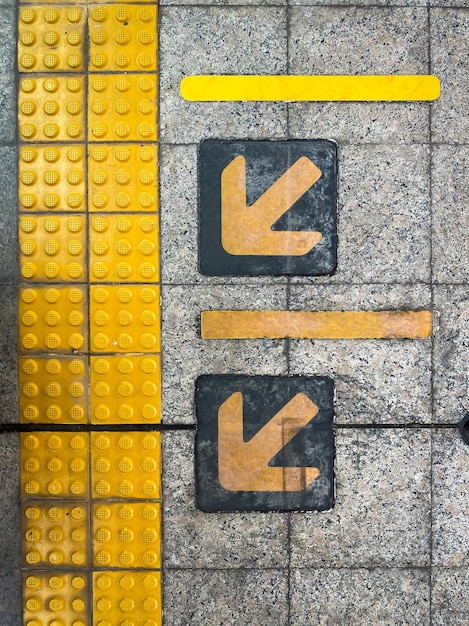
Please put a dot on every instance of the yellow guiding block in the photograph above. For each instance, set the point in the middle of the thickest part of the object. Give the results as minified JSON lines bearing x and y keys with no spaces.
{"x":125,"y":319}
{"x":51,"y":108}
{"x":54,"y":465}
{"x":52,"y":178}
{"x":122,"y":38}
{"x":125,"y":389}
{"x":122,"y":177}
{"x":55,"y":534}
{"x":127,"y":535}
{"x":125,"y":465}
{"x":122,"y":107}
{"x":123,"y":597}
{"x":316,"y":325}
{"x":53,"y":390}
{"x":52,"y":319}
{"x":51,"y":39}
{"x":310,"y":88}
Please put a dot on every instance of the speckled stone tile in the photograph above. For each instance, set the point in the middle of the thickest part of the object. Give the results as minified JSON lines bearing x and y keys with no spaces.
{"x":451,"y":366}
{"x":218,"y":40}
{"x":7,"y":107}
{"x":450,"y":499}
{"x":450,"y":189}
{"x":225,"y":598}
{"x":376,"y":381}
{"x":10,"y":515}
{"x":7,"y":40}
{"x":8,"y":215}
{"x":331,"y":597}
{"x":11,"y":603}
{"x":8,"y":323}
{"x":186,"y":356}
{"x":450,"y":600}
{"x":381,"y":517}
{"x":449,"y":35}
{"x":8,"y":388}
{"x":197,"y":540}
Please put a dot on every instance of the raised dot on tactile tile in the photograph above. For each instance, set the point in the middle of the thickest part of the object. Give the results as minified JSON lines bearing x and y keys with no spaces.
{"x":125,"y":412}
{"x":28,"y":16}
{"x":122,"y":200}
{"x":103,"y":582}
{"x":31,"y":465}
{"x":145,"y":61}
{"x":78,"y":605}
{"x":121,"y":60}
{"x":28,"y":177}
{"x":149,"y":512}
{"x":100,"y":270}
{"x":124,"y":366}
{"x":149,"y":412}
{"x":103,"y":535}
{"x":99,"y":129}
{"x":51,"y":200}
{"x":122,"y":154}
{"x":51,"y":61}
{"x":122,"y":84}
{"x":125,"y":442}
{"x":126,"y":558}
{"x":51,"y":38}
{"x":75,"y":390}
{"x":75,"y":296}
{"x":74,"y":200}
{"x":74,"y":177}
{"x":124,"y":295}
{"x":52,"y":318}
{"x":122,"y":130}
{"x":77,"y":442}
{"x":28,"y":61}
{"x":103,"y":512}
{"x":76,"y":413}
{"x":73,"y":107}
{"x":98,"y":37}
{"x":101,"y":366}
{"x":123,"y":270}
{"x":102,"y":389}
{"x":125,"y":465}
{"x":145,"y":200}
{"x":30,"y":367}
{"x":76,"y":367}
{"x":73,"y":61}
{"x":145,"y":84}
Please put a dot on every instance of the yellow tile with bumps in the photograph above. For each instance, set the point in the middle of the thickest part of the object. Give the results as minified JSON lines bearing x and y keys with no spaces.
{"x":125,"y":465}
{"x":54,"y":465}
{"x":52,"y":319}
{"x":51,"y":39}
{"x":122,"y":108}
{"x":55,"y":534}
{"x":122,"y":38}
{"x":125,"y":389}
{"x":125,"y":319}
{"x":53,"y":390}
{"x":127,"y":535}
{"x":122,"y":178}
{"x":53,"y":248}
{"x":51,"y":178}
{"x":51,"y":108}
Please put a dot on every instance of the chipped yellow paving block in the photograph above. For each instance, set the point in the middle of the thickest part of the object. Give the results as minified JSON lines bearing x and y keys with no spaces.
{"x":51,"y":108}
{"x":122,"y":177}
{"x":61,"y":596}
{"x":122,"y":107}
{"x":53,"y":390}
{"x":125,"y":319}
{"x":53,"y":248}
{"x":122,"y":38}
{"x":127,"y":598}
{"x":54,"y":465}
{"x":55,"y":534}
{"x":124,"y":248}
{"x":125,"y":465}
{"x":51,"y":39}
{"x":125,"y":389}
{"x":51,"y":178}
{"x":52,"y":319}
{"x":126,"y":535}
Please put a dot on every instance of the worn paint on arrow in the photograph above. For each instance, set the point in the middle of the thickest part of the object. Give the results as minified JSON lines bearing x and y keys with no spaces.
{"x":248,"y":229}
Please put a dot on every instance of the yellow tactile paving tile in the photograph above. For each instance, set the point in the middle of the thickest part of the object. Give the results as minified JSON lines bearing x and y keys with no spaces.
{"x":55,"y":534}
{"x":125,"y":465}
{"x":122,"y":38}
{"x":52,"y":178}
{"x":54,"y":465}
{"x":122,"y":108}
{"x":122,"y":177}
{"x":51,"y":39}
{"x":125,"y":390}
{"x":125,"y":319}
{"x":127,"y":598}
{"x":52,"y":248}
{"x":126,"y":535}
{"x":124,"y":248}
{"x":61,"y":596}
{"x":52,"y":319}
{"x":53,"y":390}
{"x":51,"y":108}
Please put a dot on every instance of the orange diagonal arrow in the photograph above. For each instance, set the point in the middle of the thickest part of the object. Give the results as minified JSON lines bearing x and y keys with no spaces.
{"x":248,"y":230}
{"x":244,"y":465}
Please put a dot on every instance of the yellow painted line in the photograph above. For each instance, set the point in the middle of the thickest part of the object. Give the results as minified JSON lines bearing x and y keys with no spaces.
{"x":310,"y":88}
{"x":316,"y":325}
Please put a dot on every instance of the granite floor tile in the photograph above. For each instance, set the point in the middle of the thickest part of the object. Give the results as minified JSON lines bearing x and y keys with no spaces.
{"x":11,"y":603}
{"x":8,"y":320}
{"x":450,"y":499}
{"x":8,"y":388}
{"x":381,"y":516}
{"x":7,"y":107}
{"x":196,"y":540}
{"x":450,"y":601}
{"x":359,"y":597}
{"x":8,"y":214}
{"x":7,"y":40}
{"x":10,"y":515}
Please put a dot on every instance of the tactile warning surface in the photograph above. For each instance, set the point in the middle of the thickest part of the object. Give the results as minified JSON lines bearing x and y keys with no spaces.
{"x":52,"y":178}
{"x":125,"y":389}
{"x":51,"y":39}
{"x":53,"y":390}
{"x":122,"y":177}
{"x":51,"y":108}
{"x":52,"y":319}
{"x":126,"y":535}
{"x":122,"y":38}
{"x":54,"y":465}
{"x":125,"y":465}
